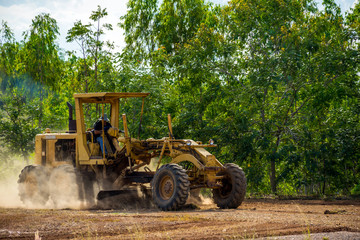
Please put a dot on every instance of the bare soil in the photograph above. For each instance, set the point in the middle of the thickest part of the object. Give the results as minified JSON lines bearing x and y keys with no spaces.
{"x":265,"y":219}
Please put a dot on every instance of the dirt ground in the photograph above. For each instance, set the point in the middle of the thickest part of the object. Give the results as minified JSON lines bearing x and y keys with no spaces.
{"x":264,"y":219}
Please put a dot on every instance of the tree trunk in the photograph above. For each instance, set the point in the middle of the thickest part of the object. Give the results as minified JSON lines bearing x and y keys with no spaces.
{"x":273,"y":176}
{"x":273,"y":181}
{"x":41,"y":97}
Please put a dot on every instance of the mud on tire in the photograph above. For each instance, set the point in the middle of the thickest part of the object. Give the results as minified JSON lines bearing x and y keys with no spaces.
{"x":170,"y":187}
{"x":232,"y":194}
{"x":33,"y":187}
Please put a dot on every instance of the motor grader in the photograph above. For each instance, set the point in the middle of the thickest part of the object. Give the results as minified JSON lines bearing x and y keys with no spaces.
{"x":74,"y":156}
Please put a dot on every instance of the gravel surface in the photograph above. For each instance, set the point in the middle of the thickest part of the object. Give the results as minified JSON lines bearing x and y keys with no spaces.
{"x":254,"y":219}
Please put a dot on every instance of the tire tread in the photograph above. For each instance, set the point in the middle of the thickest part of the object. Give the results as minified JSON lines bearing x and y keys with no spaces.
{"x":238,"y":191}
{"x":182,"y":187}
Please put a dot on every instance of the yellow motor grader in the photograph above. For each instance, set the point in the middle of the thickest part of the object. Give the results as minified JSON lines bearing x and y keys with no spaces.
{"x":75,"y":156}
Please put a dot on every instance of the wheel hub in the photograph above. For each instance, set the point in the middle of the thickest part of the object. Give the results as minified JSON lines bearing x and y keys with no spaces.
{"x":166,"y":187}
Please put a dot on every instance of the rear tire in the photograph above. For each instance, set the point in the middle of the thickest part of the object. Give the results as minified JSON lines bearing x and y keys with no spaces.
{"x":170,"y":187}
{"x":33,"y":185}
{"x":232,"y":194}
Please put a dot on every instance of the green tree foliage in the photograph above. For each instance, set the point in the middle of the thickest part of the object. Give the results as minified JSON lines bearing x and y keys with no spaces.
{"x":9,"y":50}
{"x":256,"y":76}
{"x":30,"y":72}
{"x":92,"y":50}
{"x":41,"y":58}
{"x":18,"y":126}
{"x":94,"y":71}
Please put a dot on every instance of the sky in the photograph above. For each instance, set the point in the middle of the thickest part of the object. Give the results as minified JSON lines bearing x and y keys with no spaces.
{"x":19,"y":13}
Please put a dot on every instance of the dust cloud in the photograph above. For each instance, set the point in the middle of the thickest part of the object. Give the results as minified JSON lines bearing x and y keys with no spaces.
{"x":46,"y":190}
{"x":10,"y":168}
{"x":64,"y":188}
{"x":200,"y":197}
{"x":9,"y":192}
{"x":69,"y":189}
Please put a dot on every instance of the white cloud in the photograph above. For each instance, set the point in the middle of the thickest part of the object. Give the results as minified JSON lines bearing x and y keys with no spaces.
{"x":66,"y":13}
{"x":345,"y":5}
{"x":355,"y":2}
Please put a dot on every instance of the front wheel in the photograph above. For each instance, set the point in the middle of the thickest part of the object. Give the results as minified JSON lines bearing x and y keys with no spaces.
{"x":170,"y":187}
{"x":232,"y":192}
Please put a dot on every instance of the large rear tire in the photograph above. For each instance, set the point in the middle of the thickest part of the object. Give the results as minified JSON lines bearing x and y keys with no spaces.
{"x":33,"y":185}
{"x":232,"y":194}
{"x":170,"y":187}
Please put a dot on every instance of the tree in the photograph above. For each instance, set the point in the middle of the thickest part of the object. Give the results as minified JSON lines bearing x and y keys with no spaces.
{"x":88,"y":37}
{"x":258,"y":75}
{"x":17,"y":125}
{"x":9,"y":50}
{"x":41,"y":58}
{"x":80,"y":34}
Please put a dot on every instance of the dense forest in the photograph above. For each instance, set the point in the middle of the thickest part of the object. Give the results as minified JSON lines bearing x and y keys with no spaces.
{"x":275,"y":83}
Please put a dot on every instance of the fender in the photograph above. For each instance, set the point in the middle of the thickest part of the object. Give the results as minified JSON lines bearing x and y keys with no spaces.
{"x":189,"y":158}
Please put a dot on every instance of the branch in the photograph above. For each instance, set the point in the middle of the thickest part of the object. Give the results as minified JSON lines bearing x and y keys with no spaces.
{"x":331,"y":80}
{"x":297,"y":110}
{"x":288,"y":110}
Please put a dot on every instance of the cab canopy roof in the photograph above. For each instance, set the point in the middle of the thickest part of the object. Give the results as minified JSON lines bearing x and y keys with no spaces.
{"x":106,"y":97}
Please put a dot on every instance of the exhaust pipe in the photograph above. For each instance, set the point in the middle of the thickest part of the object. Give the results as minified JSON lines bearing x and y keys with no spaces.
{"x":72,"y":122}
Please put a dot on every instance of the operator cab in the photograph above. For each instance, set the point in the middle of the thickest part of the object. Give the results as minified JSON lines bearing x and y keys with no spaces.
{"x":90,"y":106}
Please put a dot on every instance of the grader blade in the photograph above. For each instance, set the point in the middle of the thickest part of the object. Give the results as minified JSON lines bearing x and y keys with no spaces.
{"x":111,"y":193}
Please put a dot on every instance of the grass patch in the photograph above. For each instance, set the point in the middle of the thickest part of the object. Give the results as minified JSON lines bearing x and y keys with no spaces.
{"x":182,"y":218}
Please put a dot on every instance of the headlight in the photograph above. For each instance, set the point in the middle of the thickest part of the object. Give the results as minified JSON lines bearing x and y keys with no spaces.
{"x":211,"y":142}
{"x":188,"y":142}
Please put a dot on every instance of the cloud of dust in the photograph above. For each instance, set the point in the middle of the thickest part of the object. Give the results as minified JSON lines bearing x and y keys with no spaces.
{"x":58,"y":189}
{"x":198,"y":197}
{"x":9,"y":191}
{"x":10,"y":168}
{"x":69,"y":189}
{"x":65,"y":188}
